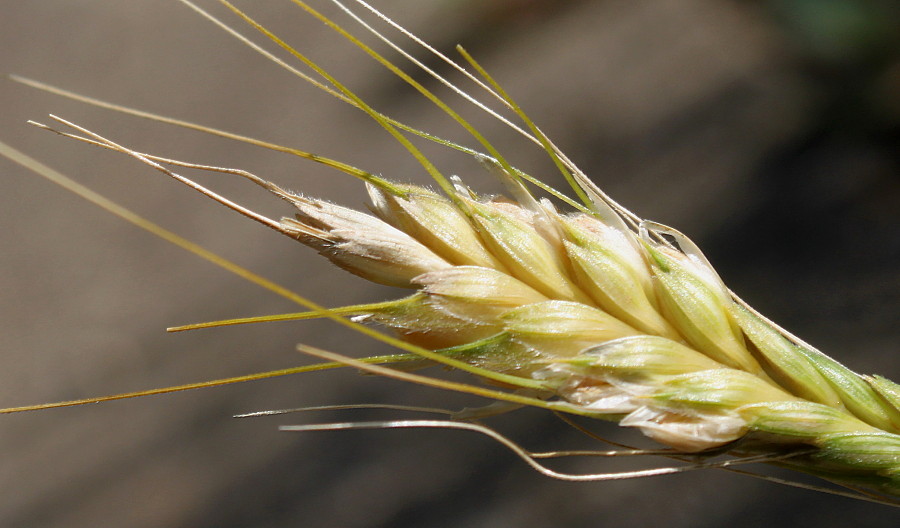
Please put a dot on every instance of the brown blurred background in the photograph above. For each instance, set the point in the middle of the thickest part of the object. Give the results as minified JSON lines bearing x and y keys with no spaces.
{"x":765,"y":130}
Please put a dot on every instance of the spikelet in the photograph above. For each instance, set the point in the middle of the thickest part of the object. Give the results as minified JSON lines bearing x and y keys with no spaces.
{"x":606,"y":315}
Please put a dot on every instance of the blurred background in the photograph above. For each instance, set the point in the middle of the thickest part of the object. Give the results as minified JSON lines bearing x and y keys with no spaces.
{"x":765,"y":130}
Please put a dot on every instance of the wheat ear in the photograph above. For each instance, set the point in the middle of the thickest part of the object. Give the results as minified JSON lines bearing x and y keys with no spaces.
{"x":611,"y":321}
{"x":628,"y":323}
{"x":616,"y":317}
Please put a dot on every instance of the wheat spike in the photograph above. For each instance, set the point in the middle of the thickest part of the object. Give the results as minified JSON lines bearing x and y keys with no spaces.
{"x":619,"y":318}
{"x":627,"y":323}
{"x":702,"y":376}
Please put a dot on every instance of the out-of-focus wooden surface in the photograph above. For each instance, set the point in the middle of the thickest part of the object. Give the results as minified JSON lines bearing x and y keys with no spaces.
{"x":717,"y":117}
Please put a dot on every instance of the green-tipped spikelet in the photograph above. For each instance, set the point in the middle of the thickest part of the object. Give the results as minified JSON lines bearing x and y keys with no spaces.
{"x":593,"y":312}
